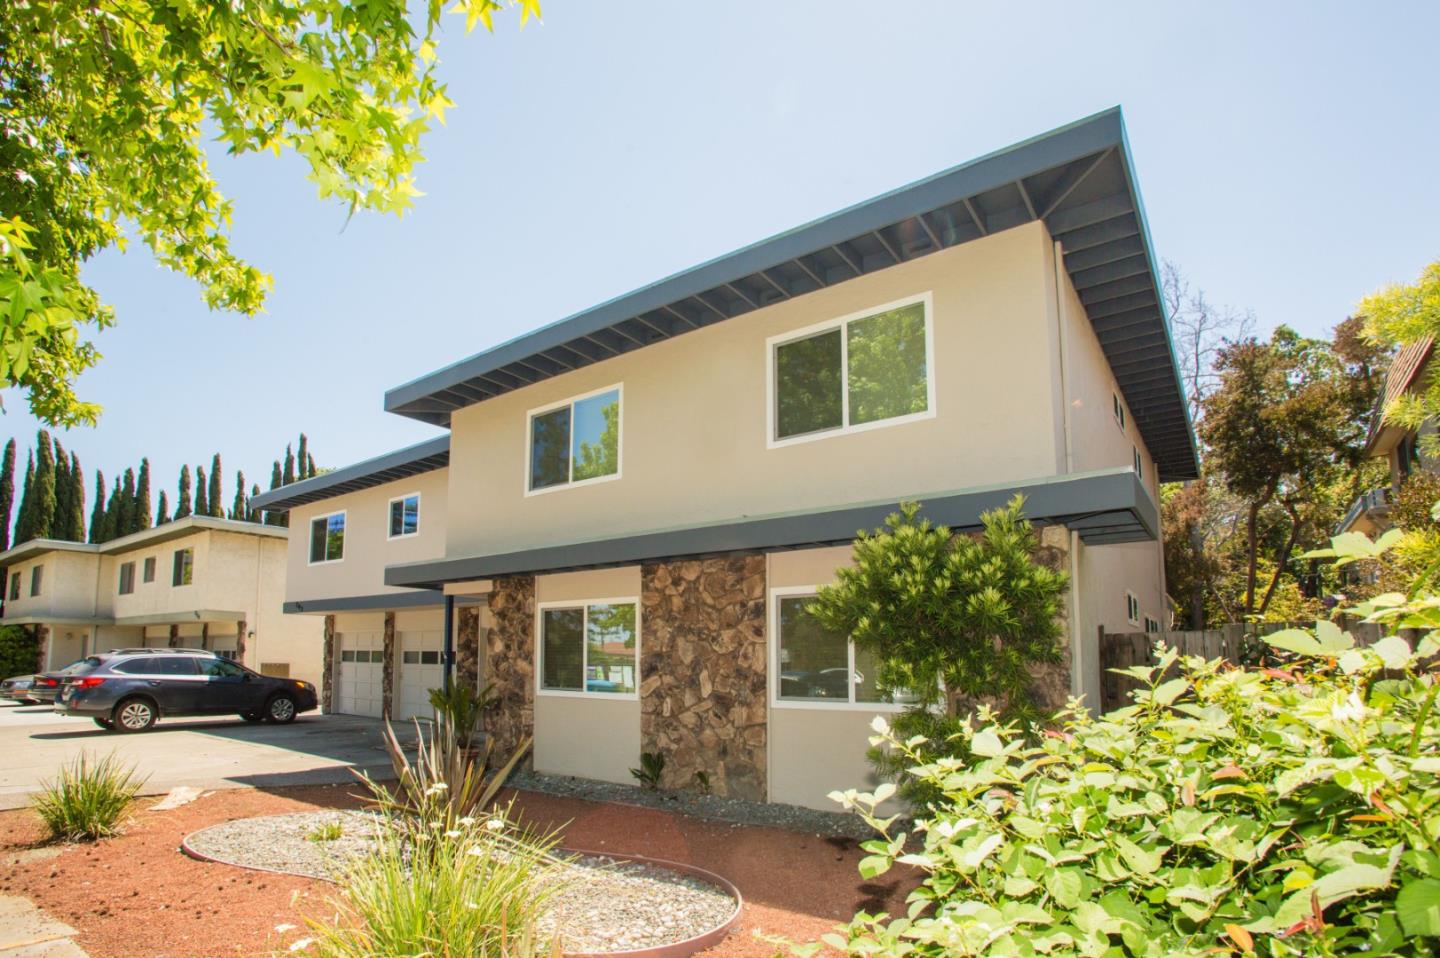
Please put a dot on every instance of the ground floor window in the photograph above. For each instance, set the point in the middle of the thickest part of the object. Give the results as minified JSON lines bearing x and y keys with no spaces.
{"x":589,"y":648}
{"x":813,"y":665}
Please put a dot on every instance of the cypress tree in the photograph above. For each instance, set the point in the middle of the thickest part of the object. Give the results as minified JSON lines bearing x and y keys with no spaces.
{"x":7,"y":493}
{"x":77,"y":499}
{"x":44,"y":492}
{"x":182,"y":501}
{"x":60,"y":523}
{"x":240,"y":509}
{"x":162,"y":514}
{"x":289,"y":475}
{"x":97,"y":513}
{"x":125,"y":509}
{"x":25,"y":518}
{"x":273,"y":518}
{"x":202,"y":503}
{"x":251,"y":513}
{"x":142,"y":497}
{"x":112,"y":514}
{"x":217,"y":497}
{"x":310,"y":467}
{"x":303,"y":455}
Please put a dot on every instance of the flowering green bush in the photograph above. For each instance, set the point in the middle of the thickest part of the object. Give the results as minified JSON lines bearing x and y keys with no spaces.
{"x":1285,"y":811}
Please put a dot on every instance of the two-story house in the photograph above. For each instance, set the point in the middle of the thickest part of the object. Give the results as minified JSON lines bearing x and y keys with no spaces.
{"x":633,"y":505}
{"x":197,"y":582}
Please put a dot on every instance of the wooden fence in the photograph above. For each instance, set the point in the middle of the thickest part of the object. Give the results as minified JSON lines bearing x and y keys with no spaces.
{"x":1120,"y":650}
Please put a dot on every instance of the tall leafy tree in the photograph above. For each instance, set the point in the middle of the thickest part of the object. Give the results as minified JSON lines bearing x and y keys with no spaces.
{"x":162,"y":510}
{"x":276,"y":480}
{"x":125,"y":518}
{"x":310,"y":467}
{"x":77,"y":499}
{"x":1399,"y":315}
{"x":302,"y":455}
{"x":214,"y":495}
{"x":97,"y":511}
{"x":7,"y":493}
{"x":107,"y":104}
{"x":142,"y":497}
{"x":25,"y":518}
{"x":289,"y":475}
{"x":251,"y":513}
{"x":239,"y":509}
{"x":60,"y":524}
{"x":202,"y":500}
{"x":182,"y":500}
{"x":112,"y":513}
{"x":44,"y":492}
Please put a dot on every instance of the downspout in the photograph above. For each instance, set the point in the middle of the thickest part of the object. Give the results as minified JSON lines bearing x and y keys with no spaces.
{"x":1077,"y":657}
{"x":448,"y":655}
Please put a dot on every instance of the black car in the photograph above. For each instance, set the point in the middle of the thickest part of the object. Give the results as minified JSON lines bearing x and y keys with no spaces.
{"x":129,"y":690}
{"x":45,"y":686}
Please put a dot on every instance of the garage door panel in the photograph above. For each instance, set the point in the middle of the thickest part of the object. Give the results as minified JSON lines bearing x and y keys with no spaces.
{"x":361,"y":680}
{"x":420,"y":671}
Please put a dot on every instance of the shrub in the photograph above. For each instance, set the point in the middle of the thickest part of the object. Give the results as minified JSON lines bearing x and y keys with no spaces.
{"x":652,"y":768}
{"x":88,"y":799}
{"x":18,"y":651}
{"x":1285,"y":811}
{"x":328,"y":831}
{"x":475,"y":889}
{"x":461,"y":708}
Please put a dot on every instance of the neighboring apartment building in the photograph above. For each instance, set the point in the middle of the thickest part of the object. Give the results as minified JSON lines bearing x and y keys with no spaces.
{"x":197,"y":582}
{"x":1408,"y":374}
{"x":633,"y":504}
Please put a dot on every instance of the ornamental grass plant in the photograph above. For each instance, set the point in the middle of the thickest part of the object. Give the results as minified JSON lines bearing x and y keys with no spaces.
{"x":88,"y":799}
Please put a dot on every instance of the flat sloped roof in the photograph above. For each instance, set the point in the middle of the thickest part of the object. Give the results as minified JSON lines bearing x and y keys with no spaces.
{"x":411,"y":461}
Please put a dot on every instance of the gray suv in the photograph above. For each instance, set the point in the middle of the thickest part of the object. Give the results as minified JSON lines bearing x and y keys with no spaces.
{"x":128,"y":690}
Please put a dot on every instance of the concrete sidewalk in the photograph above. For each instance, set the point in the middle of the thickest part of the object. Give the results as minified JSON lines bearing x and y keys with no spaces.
{"x":27,"y":932}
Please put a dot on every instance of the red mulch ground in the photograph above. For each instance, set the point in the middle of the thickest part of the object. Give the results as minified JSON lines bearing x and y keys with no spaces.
{"x":138,"y":895}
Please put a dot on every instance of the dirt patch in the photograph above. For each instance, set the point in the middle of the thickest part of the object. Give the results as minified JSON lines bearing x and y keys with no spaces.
{"x":137,"y":894}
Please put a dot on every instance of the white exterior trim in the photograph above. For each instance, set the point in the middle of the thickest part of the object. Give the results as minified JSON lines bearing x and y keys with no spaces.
{"x":527,"y":458}
{"x":583,"y":605}
{"x":773,"y":655}
{"x":390,"y":505}
{"x":310,"y":534}
{"x":841,"y":322}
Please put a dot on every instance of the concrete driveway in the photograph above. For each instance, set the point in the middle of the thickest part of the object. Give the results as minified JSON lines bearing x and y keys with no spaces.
{"x":202,"y":752}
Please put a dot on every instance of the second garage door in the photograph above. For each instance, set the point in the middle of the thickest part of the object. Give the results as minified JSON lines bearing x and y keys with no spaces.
{"x":420,"y":671}
{"x":361,"y":688}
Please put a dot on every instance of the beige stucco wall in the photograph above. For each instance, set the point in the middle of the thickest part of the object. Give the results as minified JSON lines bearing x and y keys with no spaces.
{"x":367,"y":548}
{"x":693,"y":422}
{"x":295,"y":639}
{"x":589,"y":736}
{"x":67,"y":586}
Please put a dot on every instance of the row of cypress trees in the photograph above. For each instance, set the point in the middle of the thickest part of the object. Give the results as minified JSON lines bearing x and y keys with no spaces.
{"x":52,"y":497}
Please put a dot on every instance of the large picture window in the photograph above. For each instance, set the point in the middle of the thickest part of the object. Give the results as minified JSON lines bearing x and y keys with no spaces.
{"x":815,"y":666}
{"x":853,"y":373}
{"x":589,"y":648}
{"x":576,"y":441}
{"x":327,"y":538}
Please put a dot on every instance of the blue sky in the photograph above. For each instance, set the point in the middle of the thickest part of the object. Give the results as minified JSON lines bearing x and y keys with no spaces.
{"x":1286,"y":153}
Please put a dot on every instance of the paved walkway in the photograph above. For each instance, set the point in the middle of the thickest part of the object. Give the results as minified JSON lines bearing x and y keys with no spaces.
{"x":27,"y":932}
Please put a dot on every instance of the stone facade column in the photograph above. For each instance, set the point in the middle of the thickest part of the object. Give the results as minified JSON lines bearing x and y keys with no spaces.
{"x":174,"y":640}
{"x":510,"y":663}
{"x":702,"y":672}
{"x":387,"y":680}
{"x":242,"y":629}
{"x":1051,"y":681}
{"x":467,"y":646}
{"x":327,"y":666}
{"x":204,"y":635}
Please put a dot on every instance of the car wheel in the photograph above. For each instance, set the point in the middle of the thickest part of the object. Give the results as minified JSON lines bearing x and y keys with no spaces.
{"x":280,"y":710}
{"x":252,"y":716}
{"x":134,"y":715}
{"x":105,"y":723}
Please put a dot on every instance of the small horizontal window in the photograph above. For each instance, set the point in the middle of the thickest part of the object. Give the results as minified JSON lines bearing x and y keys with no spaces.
{"x":589,"y":649}
{"x":410,"y":657}
{"x":576,"y":442}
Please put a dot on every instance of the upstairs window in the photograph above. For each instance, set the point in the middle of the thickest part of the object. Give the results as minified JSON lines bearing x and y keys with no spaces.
{"x":1152,"y":624}
{"x":183,"y":567}
{"x":405,"y":516}
{"x":149,"y":572}
{"x":589,"y":649}
{"x":1119,"y":409}
{"x":327,"y":538}
{"x":576,"y":441}
{"x":854,"y":373}
{"x":1139,"y":463}
{"x":127,"y":578}
{"x":1132,"y":608}
{"x":14,"y":586}
{"x":37,"y":578}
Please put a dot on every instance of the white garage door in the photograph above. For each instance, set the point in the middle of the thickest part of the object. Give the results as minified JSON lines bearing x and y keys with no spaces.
{"x":420,"y":671}
{"x":362,"y":673}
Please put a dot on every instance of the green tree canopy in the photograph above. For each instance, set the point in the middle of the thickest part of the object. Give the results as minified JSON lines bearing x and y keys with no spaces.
{"x":1398,"y":316}
{"x":105,"y":103}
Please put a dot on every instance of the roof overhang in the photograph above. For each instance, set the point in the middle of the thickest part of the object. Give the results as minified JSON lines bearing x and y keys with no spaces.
{"x":365,"y":603}
{"x":53,"y":620}
{"x":174,"y":529}
{"x":1079,"y":180}
{"x":181,"y":618}
{"x":1103,"y":507}
{"x":411,"y":461}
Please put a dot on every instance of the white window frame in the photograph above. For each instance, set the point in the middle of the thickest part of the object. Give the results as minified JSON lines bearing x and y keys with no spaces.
{"x":173,"y":554}
{"x":619,"y":389}
{"x":389,"y":506}
{"x":310,"y":532}
{"x":846,"y":428}
{"x":37,"y":580}
{"x":584,"y":604}
{"x":1149,"y":619}
{"x":120,"y":585}
{"x":1119,"y":410}
{"x":1139,"y":463}
{"x":1132,"y":608}
{"x":832,"y":705}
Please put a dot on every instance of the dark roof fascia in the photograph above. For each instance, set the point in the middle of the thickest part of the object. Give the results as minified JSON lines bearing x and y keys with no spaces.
{"x":1105,"y":506}
{"x":413,"y":460}
{"x":365,"y":603}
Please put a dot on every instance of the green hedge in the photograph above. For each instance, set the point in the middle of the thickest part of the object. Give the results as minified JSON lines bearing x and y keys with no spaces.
{"x":18,"y":650}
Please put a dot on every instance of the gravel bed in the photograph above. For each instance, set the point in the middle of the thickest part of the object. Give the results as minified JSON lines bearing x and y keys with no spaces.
{"x":279,"y":842}
{"x":712,"y":807}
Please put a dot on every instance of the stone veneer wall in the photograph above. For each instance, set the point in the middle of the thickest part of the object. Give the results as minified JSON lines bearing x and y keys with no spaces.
{"x":467,"y":646}
{"x":327,"y":667}
{"x":702,"y":672}
{"x":510,"y":663}
{"x":1052,"y":681}
{"x":387,"y":668}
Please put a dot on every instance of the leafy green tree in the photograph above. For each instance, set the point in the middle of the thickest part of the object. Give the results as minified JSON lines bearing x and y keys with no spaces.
{"x":162,"y":511}
{"x":182,"y":500}
{"x":276,"y":480}
{"x":239,"y":509}
{"x":202,"y":500}
{"x":125,"y":519}
{"x":43,"y":499}
{"x":214,"y":495}
{"x":289,"y":475}
{"x":77,"y":500}
{"x":142,"y":497}
{"x":7,"y":493}
{"x":97,"y":511}
{"x":112,"y":513}
{"x":106,"y":103}
{"x":1400,"y":315}
{"x":310,"y":467}
{"x":302,"y":456}
{"x":60,"y":524}
{"x":251,"y":513}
